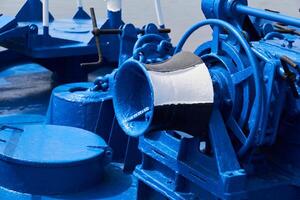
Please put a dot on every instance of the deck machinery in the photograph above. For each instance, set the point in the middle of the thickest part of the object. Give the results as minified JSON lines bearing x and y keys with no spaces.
{"x":60,"y":45}
{"x":67,"y":47}
{"x":221,"y":122}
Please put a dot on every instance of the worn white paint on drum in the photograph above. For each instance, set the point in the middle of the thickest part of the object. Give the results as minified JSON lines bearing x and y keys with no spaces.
{"x":192,"y":85}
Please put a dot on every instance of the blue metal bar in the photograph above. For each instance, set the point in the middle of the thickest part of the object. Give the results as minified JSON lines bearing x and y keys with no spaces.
{"x":15,"y":32}
{"x":225,"y":155}
{"x":149,"y":38}
{"x":242,"y":9}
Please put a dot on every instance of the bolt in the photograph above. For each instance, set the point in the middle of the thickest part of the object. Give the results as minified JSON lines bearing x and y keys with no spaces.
{"x":290,"y":42}
{"x":33,"y":28}
{"x":266,"y":79}
{"x":147,"y":116}
{"x":228,"y":102}
{"x":108,"y":153}
{"x":104,"y":86}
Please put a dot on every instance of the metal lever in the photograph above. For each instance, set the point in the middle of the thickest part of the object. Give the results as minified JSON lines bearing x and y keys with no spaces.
{"x":281,"y":28}
{"x":96,"y":34}
{"x":290,"y":62}
{"x":285,"y":61}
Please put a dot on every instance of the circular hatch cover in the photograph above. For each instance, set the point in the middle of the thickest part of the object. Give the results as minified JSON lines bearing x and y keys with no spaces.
{"x":47,"y":159}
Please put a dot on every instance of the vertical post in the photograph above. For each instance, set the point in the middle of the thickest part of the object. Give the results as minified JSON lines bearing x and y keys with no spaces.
{"x":79,"y":3}
{"x":159,"y":14}
{"x":46,"y":17}
{"x":114,"y":13}
{"x":114,"y":5}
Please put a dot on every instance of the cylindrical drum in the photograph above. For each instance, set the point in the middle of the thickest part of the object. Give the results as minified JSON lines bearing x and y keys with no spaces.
{"x":77,"y":106}
{"x":173,"y":95}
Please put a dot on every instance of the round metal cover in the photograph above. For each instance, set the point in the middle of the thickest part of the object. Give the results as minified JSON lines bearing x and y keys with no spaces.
{"x":46,"y":144}
{"x":47,"y":159}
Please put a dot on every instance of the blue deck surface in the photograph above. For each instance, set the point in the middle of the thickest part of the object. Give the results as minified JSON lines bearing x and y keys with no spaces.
{"x":25,"y":89}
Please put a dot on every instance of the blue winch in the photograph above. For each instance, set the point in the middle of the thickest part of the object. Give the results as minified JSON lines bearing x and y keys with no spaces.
{"x":221,"y":122}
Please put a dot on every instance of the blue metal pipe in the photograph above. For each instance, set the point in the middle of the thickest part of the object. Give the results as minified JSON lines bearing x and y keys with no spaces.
{"x":242,"y":9}
{"x":149,"y":38}
{"x":252,"y":59}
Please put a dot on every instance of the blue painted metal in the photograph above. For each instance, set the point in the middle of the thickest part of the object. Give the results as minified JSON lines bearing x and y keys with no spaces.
{"x":69,"y":41}
{"x":31,"y":11}
{"x":136,"y":119}
{"x":89,"y":106}
{"x":252,"y":145}
{"x":116,"y":185}
{"x":7,"y":23}
{"x":129,"y":37}
{"x":138,"y":48}
{"x":242,"y":9}
{"x":25,"y":119}
{"x":152,"y":47}
{"x":82,"y":156}
{"x":81,"y":14}
{"x":74,"y":105}
{"x":250,"y":149}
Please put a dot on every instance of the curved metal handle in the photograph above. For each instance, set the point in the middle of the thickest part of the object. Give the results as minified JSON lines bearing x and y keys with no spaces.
{"x":96,"y":34}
